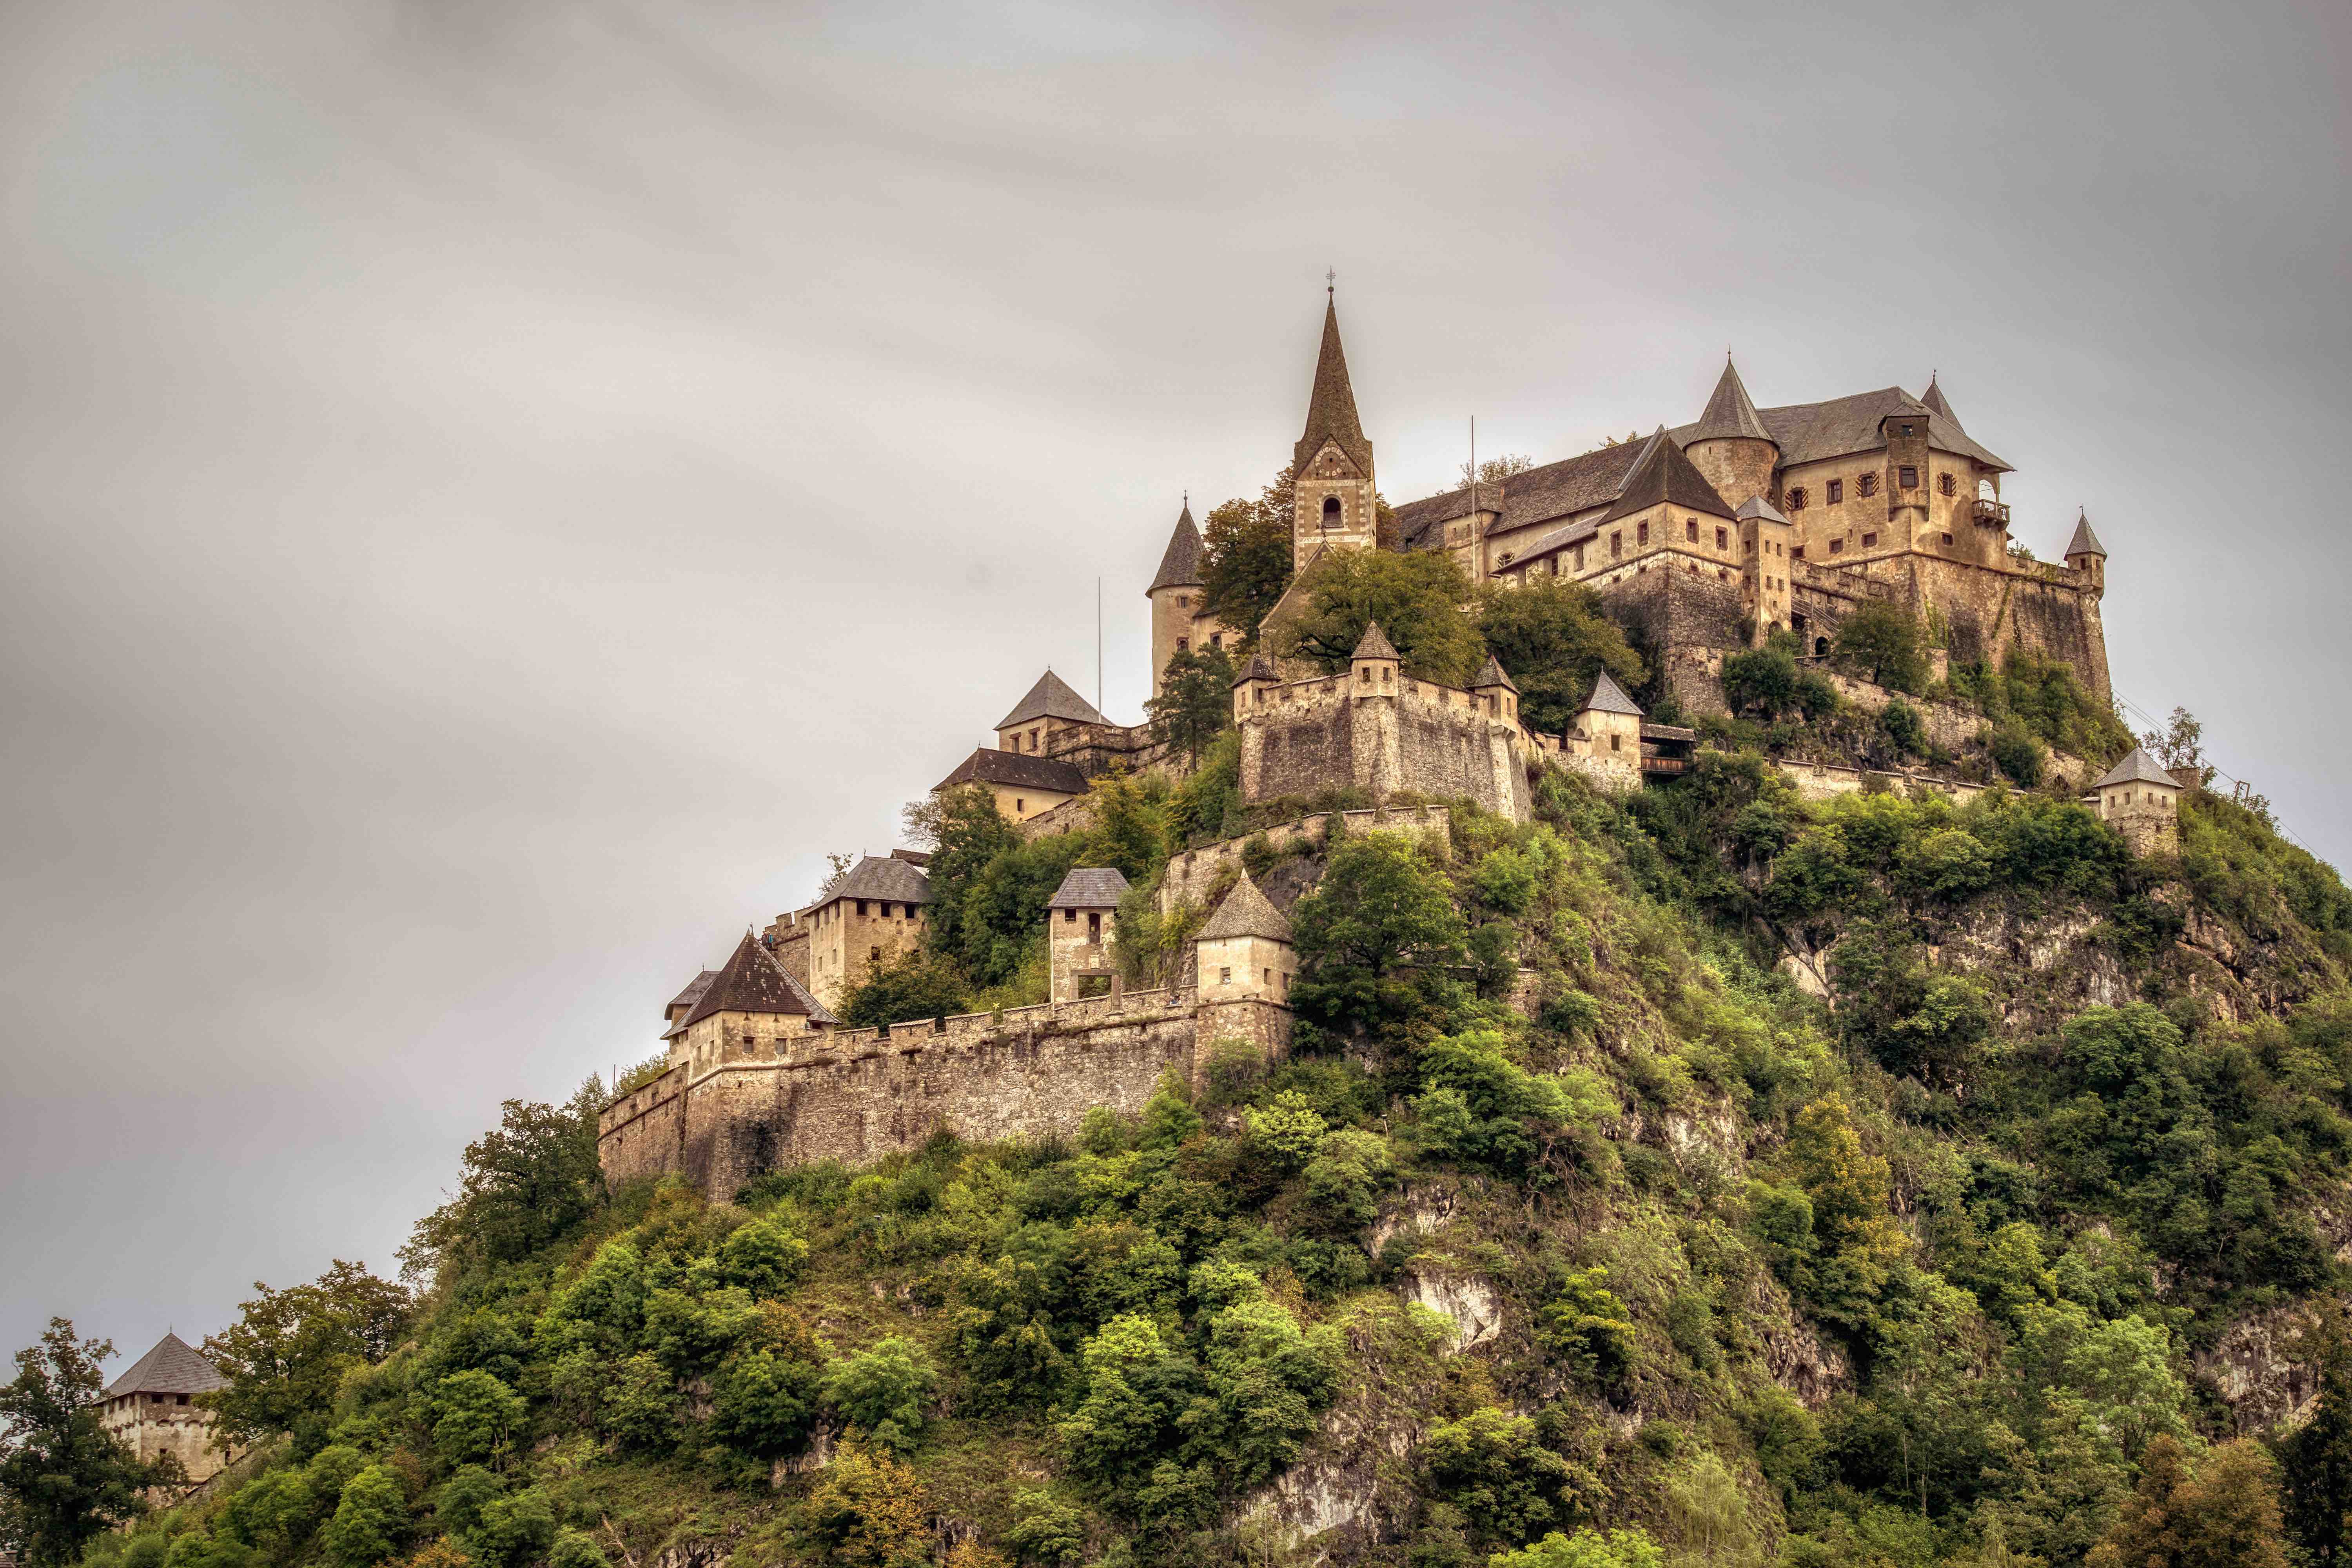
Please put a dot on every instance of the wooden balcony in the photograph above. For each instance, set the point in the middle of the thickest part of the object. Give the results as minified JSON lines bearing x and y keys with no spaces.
{"x":1992,"y":513}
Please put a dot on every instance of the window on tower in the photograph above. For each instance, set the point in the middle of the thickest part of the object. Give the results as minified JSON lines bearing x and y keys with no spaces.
{"x":1835,"y":490}
{"x":1330,"y":512}
{"x":1867,"y":484}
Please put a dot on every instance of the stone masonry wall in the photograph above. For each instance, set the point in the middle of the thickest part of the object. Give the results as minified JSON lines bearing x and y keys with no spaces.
{"x":1679,"y":618}
{"x":1309,"y":736}
{"x":859,"y":1095}
{"x":1190,"y":875}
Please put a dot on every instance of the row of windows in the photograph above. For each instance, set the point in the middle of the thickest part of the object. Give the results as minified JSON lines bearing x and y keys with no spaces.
{"x":882,"y":909}
{"x":1906,"y":477}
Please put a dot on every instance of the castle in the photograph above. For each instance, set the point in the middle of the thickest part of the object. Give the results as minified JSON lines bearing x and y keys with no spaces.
{"x":150,"y":1408}
{"x":1702,"y":540}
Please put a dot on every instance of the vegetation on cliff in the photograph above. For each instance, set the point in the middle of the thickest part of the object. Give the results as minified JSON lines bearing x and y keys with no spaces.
{"x":1707,"y":1178}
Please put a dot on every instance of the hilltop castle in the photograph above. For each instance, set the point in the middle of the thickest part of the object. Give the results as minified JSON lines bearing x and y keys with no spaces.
{"x":1704,"y":538}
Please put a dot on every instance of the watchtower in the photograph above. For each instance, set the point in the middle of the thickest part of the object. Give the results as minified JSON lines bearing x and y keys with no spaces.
{"x":1335,"y":504}
{"x":1081,"y":922}
{"x":2141,"y":800}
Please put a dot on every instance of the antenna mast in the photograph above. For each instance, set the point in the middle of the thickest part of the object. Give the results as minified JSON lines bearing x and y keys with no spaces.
{"x":1098,"y":680}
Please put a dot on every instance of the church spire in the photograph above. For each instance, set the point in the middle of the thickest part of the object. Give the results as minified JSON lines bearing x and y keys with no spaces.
{"x":1331,"y":406}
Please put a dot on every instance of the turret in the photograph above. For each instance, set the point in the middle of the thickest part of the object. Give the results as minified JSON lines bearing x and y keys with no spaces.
{"x":1766,"y":539}
{"x":1336,"y":505}
{"x":2085,"y":554}
{"x":1495,"y":691}
{"x":1255,"y":681}
{"x":1372,"y":668}
{"x":1907,"y":479}
{"x":1081,"y":923}
{"x":1730,"y":445}
{"x":1175,"y":594}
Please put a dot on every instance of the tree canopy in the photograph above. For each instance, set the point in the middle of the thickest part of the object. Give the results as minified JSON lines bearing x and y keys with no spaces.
{"x":64,"y":1479}
{"x":1417,"y":599}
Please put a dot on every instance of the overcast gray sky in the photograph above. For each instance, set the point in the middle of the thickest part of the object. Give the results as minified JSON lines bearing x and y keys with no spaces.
{"x":490,"y":494}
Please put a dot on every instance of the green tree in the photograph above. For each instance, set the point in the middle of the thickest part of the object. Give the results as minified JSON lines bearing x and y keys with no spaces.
{"x":1759,"y":680}
{"x":763,"y":1257}
{"x":287,"y":1352}
{"x":1489,"y":1465}
{"x":1245,"y":560}
{"x":912,"y":986}
{"x":2220,"y":1511}
{"x":1588,"y":1324}
{"x":870,"y":1511}
{"x":1045,"y":1531}
{"x":765,"y":1403}
{"x":1003,"y":918}
{"x":513,"y":1530}
{"x":964,"y":831}
{"x":475,"y":1416}
{"x":1417,"y":599}
{"x":1195,"y":704}
{"x":1130,"y":825}
{"x":527,"y":1182}
{"x":1883,"y":643}
{"x":1552,"y":638}
{"x":2318,"y":1457}
{"x":881,"y":1392}
{"x":64,"y":1479}
{"x":1586,"y":1549}
{"x":369,"y":1520}
{"x":1373,"y":938}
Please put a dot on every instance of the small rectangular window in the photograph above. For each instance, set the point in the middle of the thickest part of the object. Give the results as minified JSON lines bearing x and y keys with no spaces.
{"x":1644,"y":538}
{"x":1069,"y":917}
{"x":1868,"y":484}
{"x":1019,"y":804}
{"x":1616,"y":542}
{"x":1723,"y":539}
{"x":1908,"y":478}
{"x":1183,"y":643}
{"x":1947,"y":539}
{"x":861,"y":906}
{"x":1836,"y":545}
{"x":1616,"y":743}
{"x":1869,"y":541}
{"x":1836,"y":491}
{"x":1094,"y":926}
{"x":1224,"y":977}
{"x":872,"y":955}
{"x":1690,"y":530}
{"x":1797,"y":551}
{"x":1579,"y":558}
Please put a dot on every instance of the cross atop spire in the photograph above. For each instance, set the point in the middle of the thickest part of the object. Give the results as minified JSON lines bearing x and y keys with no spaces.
{"x":1331,"y":283}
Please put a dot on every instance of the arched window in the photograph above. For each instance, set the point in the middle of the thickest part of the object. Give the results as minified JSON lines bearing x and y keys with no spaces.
{"x":1330,"y":512}
{"x":1821,"y":647}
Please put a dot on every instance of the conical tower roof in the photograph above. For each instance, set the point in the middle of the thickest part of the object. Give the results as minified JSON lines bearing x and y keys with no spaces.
{"x":171,"y":1367}
{"x":1375,"y":644}
{"x":2084,"y":542}
{"x":1491,"y":674}
{"x":1260,"y":668}
{"x":1662,"y":474}
{"x":1246,"y":913}
{"x":1937,"y":405}
{"x":1730,"y":412}
{"x":1608,"y":696}
{"x":1181,"y":567}
{"x":750,"y":981}
{"x":1331,"y":405}
{"x":1052,"y":698}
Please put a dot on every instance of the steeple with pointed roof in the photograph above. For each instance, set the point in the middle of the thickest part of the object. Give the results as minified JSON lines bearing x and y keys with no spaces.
{"x":1331,"y":403}
{"x":2084,"y":542}
{"x":1180,"y":566}
{"x":1245,"y":911}
{"x":1336,"y":505}
{"x":1731,"y":414}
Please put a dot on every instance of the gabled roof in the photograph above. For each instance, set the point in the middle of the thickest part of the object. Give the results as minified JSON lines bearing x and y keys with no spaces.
{"x":1260,"y":668}
{"x":694,"y":990}
{"x":1808,"y":432}
{"x":880,"y":877}
{"x":1375,"y":644}
{"x":1491,"y":674}
{"x":1730,"y":415}
{"x":1331,"y":405}
{"x":1934,"y":402}
{"x":1052,"y":698}
{"x":1757,"y":506}
{"x":2137,"y":768}
{"x":1559,"y":489}
{"x":171,"y":1367}
{"x":1663,"y":475}
{"x":1181,"y":567}
{"x":1089,"y":888}
{"x":2084,"y":542}
{"x":1608,"y":696}
{"x":1018,"y":769}
{"x":752,"y":981}
{"x":1246,"y":913}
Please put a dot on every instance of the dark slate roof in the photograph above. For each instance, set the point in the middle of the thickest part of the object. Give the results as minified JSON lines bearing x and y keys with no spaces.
{"x":1018,"y":769}
{"x":1052,"y":698}
{"x":752,"y":981}
{"x":1731,"y":414}
{"x":1246,"y":913}
{"x":1331,"y":406}
{"x":1663,"y":475}
{"x":2084,"y":542}
{"x":1181,"y":567}
{"x":1808,"y":432}
{"x":1757,"y":506}
{"x":1933,"y":401}
{"x":1539,"y":495}
{"x":1089,"y":888}
{"x":1608,"y":696}
{"x":1260,"y":668}
{"x":2137,"y":768}
{"x":1375,"y":644}
{"x":880,"y":877}
{"x":694,"y":990}
{"x":171,"y":1367}
{"x":1491,"y":674}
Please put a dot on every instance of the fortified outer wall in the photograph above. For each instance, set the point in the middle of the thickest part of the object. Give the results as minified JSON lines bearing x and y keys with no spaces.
{"x":856,"y":1096}
{"x":1190,"y":876}
{"x":149,"y":1426}
{"x":2052,"y":610}
{"x":1685,"y":620}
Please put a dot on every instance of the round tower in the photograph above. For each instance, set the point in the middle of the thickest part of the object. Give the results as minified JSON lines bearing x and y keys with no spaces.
{"x":1730,"y":445}
{"x":2085,"y":554}
{"x":1175,"y":594}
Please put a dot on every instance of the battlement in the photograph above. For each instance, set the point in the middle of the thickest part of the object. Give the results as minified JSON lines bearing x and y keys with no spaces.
{"x":1389,"y":735}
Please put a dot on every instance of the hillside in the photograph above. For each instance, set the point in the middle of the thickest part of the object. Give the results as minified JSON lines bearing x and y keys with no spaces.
{"x":1709,"y":1177}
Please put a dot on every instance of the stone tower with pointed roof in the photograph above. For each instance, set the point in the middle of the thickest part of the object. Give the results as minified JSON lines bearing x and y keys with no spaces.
{"x":1179,"y":620}
{"x":869,"y":918}
{"x":2140,"y":799}
{"x":1336,"y":505}
{"x":152,"y":1408}
{"x":1730,"y":446}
